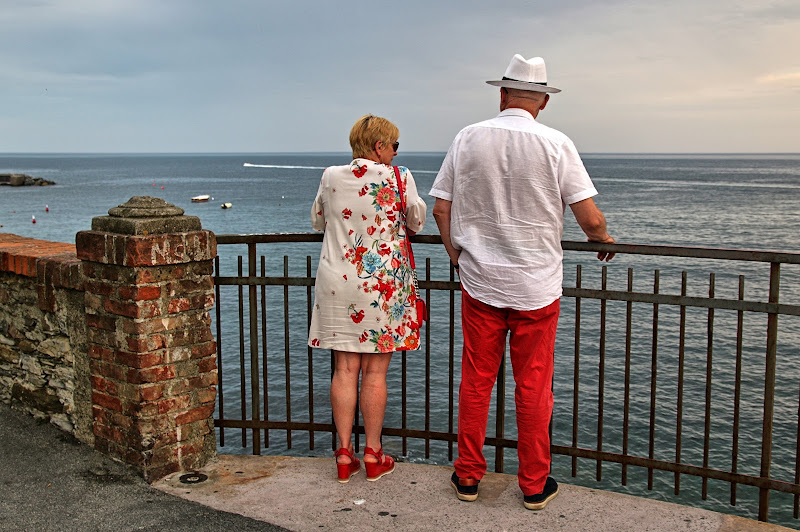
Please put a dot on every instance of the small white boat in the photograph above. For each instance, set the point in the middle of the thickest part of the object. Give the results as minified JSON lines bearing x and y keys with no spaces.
{"x":203,"y":197}
{"x":226,"y":205}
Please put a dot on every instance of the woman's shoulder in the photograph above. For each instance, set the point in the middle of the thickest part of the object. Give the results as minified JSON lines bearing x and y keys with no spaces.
{"x":337,"y":169}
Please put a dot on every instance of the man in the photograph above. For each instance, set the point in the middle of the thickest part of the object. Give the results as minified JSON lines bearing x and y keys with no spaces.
{"x":500,"y":200}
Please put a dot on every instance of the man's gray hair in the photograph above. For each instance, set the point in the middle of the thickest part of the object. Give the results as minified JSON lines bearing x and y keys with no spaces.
{"x":526,"y":95}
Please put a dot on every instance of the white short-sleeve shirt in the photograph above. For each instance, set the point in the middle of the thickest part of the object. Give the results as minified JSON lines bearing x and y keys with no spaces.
{"x":510,"y":179}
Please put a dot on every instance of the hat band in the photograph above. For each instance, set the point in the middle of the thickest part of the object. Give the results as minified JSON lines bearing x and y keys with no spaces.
{"x":534,"y":82}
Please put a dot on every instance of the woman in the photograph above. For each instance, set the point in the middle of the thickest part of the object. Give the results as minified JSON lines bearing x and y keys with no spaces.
{"x":364,"y":296}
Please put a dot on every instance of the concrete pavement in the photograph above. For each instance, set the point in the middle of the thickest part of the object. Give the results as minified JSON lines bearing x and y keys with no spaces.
{"x":302,"y":494}
{"x":51,"y":481}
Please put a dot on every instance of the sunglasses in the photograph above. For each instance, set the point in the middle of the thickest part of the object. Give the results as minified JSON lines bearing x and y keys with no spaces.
{"x":395,"y":145}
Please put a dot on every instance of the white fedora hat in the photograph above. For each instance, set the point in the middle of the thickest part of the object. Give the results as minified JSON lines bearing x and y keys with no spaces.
{"x":525,"y":74}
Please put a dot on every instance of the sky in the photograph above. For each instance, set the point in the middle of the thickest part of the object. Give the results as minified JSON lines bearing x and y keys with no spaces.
{"x":638,"y":76}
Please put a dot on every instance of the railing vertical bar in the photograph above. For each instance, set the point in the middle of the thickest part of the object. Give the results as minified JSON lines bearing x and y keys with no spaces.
{"x":653,"y":381}
{"x":264,"y":350}
{"x":286,"y":352}
{"x":500,"y":416}
{"x":217,"y":311}
{"x":334,"y":435}
{"x":576,"y":372}
{"x":737,"y":392}
{"x":796,"y":505}
{"x":451,"y":367}
{"x":769,"y":389}
{"x":404,"y":399}
{"x":252,"y":300}
{"x":709,"y":359}
{"x":601,"y":373}
{"x":681,"y":365}
{"x":427,"y":363}
{"x":243,"y":383}
{"x":627,"y":398}
{"x":310,"y":358}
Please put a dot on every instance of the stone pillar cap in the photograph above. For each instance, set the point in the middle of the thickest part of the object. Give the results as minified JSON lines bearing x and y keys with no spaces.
{"x":145,"y":207}
{"x":145,"y":215}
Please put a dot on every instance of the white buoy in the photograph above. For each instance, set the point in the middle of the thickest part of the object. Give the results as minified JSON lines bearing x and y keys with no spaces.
{"x":33,"y":219}
{"x":46,"y":208}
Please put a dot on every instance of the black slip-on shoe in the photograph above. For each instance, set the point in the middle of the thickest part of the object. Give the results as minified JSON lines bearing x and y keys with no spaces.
{"x":466,"y":488}
{"x":540,"y":500}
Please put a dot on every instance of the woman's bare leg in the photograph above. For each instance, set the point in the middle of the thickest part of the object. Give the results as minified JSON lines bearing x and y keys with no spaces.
{"x":373,"y":397}
{"x":344,"y":394}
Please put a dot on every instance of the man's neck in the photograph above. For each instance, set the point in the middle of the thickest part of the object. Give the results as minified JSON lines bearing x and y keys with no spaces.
{"x":530,"y":109}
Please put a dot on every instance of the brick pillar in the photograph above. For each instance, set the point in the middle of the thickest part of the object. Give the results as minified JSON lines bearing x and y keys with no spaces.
{"x":149,"y":288}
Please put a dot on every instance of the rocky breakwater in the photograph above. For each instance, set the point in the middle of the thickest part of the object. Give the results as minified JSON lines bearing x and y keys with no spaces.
{"x":23,"y":180}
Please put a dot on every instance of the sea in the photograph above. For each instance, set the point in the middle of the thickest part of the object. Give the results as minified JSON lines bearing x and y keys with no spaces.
{"x":734,"y":201}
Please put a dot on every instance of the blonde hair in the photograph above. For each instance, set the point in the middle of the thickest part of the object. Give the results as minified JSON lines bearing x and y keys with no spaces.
{"x":368,"y":130}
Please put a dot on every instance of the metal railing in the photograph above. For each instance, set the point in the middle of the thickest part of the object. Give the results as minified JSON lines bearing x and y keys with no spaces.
{"x":658,"y":393}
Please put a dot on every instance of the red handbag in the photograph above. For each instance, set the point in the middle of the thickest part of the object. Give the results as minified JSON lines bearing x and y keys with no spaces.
{"x":422,"y":310}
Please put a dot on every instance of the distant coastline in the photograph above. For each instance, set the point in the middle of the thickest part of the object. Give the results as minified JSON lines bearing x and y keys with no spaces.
{"x":23,"y":180}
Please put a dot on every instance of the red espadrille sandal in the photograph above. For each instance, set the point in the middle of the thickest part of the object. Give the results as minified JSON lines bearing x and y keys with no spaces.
{"x":383,"y":466}
{"x":345,"y":471}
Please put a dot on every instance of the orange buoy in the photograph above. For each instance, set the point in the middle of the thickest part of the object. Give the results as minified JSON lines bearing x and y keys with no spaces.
{"x":162,"y":188}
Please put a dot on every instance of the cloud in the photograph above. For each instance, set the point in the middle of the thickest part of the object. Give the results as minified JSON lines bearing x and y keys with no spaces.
{"x":250,"y":75}
{"x":792,"y":78}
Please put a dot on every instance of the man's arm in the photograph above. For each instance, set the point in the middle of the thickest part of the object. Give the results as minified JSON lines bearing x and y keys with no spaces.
{"x":593,"y":223}
{"x":441,"y":213}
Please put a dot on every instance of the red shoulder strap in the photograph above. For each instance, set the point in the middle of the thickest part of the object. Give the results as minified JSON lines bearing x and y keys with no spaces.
{"x":401,"y":190}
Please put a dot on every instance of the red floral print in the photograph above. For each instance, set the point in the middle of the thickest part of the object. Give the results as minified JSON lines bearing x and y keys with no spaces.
{"x":412,"y":342}
{"x":386,"y":343}
{"x":385,"y":197}
{"x":384,"y":249}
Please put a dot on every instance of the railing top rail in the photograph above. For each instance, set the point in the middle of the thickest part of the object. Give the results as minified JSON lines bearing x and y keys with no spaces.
{"x":568,"y":245}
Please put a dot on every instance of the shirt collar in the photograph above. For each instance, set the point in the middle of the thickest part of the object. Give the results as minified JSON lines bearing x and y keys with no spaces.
{"x":516,"y":111}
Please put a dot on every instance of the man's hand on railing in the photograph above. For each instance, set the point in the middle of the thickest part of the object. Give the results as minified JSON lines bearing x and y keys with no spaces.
{"x":605,"y":255}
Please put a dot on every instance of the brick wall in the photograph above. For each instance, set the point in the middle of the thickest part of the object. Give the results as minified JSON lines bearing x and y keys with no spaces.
{"x":110,"y":338}
{"x":152,"y":355}
{"x":44,"y":367}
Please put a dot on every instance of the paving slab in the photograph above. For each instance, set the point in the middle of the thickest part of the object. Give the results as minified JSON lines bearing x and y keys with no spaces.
{"x":303,"y":494}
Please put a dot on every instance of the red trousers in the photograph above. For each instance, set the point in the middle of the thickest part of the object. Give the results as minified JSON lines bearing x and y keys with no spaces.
{"x":533,"y":336}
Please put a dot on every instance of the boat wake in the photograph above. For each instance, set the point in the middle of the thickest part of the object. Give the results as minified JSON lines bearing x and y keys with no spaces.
{"x":284,"y":166}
